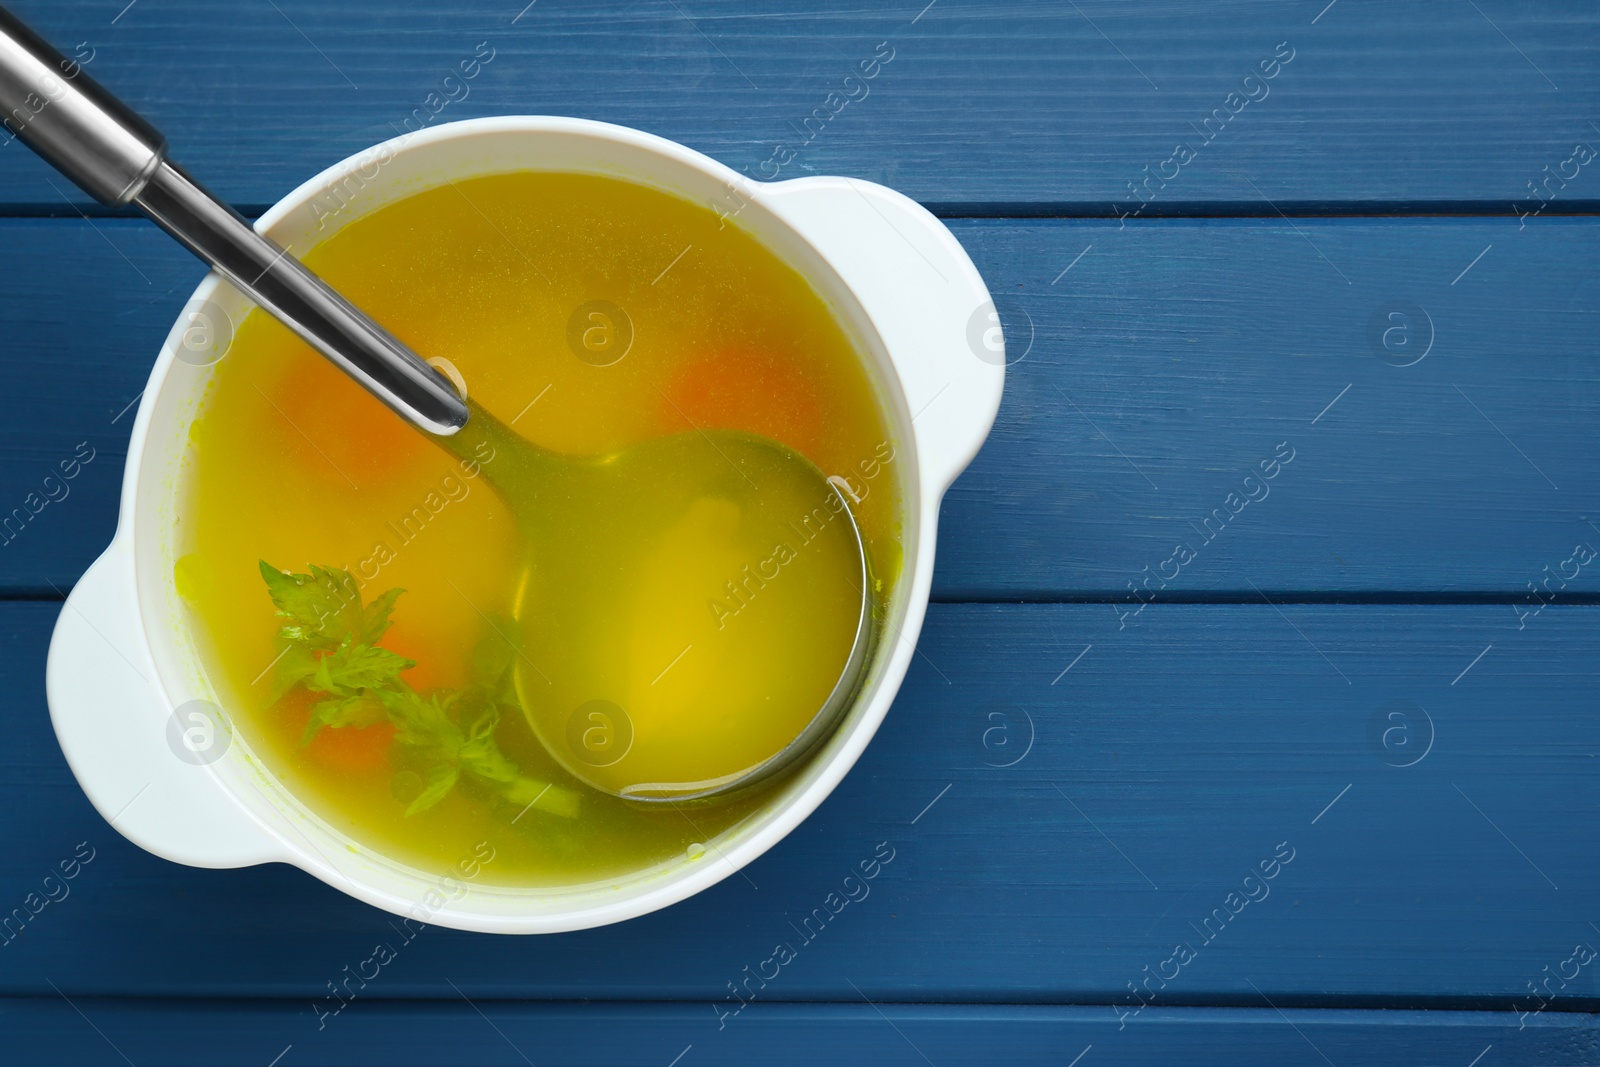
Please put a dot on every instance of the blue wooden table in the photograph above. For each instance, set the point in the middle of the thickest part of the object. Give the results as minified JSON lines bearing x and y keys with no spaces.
{"x":1197,"y":764}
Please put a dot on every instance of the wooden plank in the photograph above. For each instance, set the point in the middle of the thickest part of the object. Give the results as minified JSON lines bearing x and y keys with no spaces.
{"x":1151,"y":771}
{"x":1042,"y":107}
{"x":221,"y":1034}
{"x":1169,"y":362}
{"x":1434,"y":380}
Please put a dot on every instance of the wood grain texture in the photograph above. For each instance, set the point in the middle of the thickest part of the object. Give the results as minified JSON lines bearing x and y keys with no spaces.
{"x":1058,"y":107}
{"x":1174,"y":358}
{"x":429,"y":1034}
{"x":1145,"y":784}
{"x":1169,"y":363}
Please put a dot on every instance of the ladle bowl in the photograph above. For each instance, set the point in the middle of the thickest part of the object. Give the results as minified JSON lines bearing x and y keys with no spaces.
{"x":744,"y":595}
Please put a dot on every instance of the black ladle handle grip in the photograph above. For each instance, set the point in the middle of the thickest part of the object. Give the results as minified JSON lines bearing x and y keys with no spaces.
{"x":51,"y":105}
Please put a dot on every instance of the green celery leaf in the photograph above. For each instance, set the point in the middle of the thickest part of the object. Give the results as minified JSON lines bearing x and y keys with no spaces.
{"x":333,"y":650}
{"x":323,"y":608}
{"x":481,"y":732}
{"x":441,"y":780}
{"x":361,"y":710}
{"x":375,"y":619}
{"x":296,"y":665}
{"x":422,"y":722}
{"x":354,"y":667}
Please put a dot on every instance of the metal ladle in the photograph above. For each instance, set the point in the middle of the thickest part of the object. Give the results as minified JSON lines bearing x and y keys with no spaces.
{"x":569,"y":509}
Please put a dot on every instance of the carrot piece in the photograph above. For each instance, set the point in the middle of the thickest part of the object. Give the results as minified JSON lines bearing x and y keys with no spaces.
{"x":358,"y":437}
{"x":344,"y":749}
{"x":432,"y":670}
{"x":744,"y":388}
{"x":353,"y":749}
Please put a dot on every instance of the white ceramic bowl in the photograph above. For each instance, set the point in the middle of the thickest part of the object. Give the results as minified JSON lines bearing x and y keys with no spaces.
{"x":122,"y":660}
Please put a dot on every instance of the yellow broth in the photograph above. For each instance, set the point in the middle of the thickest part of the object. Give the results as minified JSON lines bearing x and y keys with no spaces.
{"x":591,"y":314}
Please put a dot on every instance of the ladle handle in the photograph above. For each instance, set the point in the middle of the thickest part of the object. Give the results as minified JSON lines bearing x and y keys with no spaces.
{"x":49,"y":103}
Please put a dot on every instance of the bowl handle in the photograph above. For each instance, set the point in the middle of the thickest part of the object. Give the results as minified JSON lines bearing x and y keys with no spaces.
{"x":926,"y":298}
{"x":112,"y":720}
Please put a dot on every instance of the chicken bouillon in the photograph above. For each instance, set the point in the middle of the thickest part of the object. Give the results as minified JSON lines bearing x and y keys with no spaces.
{"x":363,"y":595}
